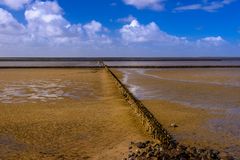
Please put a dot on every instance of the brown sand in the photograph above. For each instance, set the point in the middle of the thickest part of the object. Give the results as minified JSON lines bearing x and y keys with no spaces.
{"x":96,"y":124}
{"x":195,"y":125}
{"x":192,"y":125}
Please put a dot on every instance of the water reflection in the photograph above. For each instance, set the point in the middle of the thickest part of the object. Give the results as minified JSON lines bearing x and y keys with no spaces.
{"x":43,"y":91}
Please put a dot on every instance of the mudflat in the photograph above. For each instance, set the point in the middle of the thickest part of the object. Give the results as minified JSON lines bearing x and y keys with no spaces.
{"x":203,"y":103}
{"x":64,"y":114}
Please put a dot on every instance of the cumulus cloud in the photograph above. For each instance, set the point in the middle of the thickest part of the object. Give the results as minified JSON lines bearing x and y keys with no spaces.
{"x":45,"y":23}
{"x":206,"y":6}
{"x":95,"y":31}
{"x":11,"y":31}
{"x":150,"y":4}
{"x":47,"y":30}
{"x":8,"y":24}
{"x":136,"y":32}
{"x":45,"y":19}
{"x":15,"y":4}
{"x":211,"y":41}
{"x":151,"y":39}
{"x":93,"y":27}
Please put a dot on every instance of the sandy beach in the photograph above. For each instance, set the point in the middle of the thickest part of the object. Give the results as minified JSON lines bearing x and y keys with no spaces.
{"x":64,"y":114}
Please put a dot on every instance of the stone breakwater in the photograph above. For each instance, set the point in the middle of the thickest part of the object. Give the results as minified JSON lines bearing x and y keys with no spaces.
{"x":149,"y":122}
{"x":168,"y":148}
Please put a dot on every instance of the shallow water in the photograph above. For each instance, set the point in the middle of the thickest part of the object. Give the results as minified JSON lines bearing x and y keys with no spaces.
{"x":173,"y":63}
{"x":215,"y":90}
{"x":116,"y":63}
{"x":49,"y":63}
{"x":42,"y":91}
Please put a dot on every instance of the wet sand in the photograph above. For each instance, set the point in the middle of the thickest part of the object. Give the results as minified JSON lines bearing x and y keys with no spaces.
{"x":64,"y":114}
{"x":204,"y":103}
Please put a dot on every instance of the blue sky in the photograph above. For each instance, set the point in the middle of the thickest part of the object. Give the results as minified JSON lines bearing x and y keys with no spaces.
{"x":120,"y":28}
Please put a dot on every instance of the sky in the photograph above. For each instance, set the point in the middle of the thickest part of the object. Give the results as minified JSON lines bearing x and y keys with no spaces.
{"x":119,"y":28}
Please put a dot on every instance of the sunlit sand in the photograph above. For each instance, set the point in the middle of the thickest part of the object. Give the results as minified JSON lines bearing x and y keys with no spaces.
{"x":64,"y":113}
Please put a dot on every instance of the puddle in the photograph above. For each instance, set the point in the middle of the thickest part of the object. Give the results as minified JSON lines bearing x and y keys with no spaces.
{"x":9,"y":143}
{"x":229,"y":124}
{"x":43,"y":91}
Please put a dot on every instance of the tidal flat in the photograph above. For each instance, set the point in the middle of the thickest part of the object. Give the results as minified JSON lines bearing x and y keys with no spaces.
{"x":64,"y":114}
{"x":204,"y":104}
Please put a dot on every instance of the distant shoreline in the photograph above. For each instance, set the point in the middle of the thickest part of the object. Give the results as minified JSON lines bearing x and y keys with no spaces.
{"x":119,"y":58}
{"x":127,"y":67}
{"x":120,"y":62}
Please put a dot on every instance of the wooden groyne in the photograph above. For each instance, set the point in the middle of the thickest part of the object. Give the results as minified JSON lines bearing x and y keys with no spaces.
{"x":148,"y":120}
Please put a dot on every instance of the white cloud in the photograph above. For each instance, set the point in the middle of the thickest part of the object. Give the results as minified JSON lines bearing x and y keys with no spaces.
{"x":95,"y":32}
{"x":45,"y":19}
{"x":211,"y":41}
{"x":189,"y":7}
{"x":47,"y":30}
{"x":46,"y":24}
{"x":150,"y":39}
{"x":136,"y":32}
{"x":8,"y":24}
{"x":15,"y":4}
{"x":11,"y":31}
{"x":127,"y":19}
{"x":206,"y":6}
{"x":93,"y":27}
{"x":150,"y":4}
